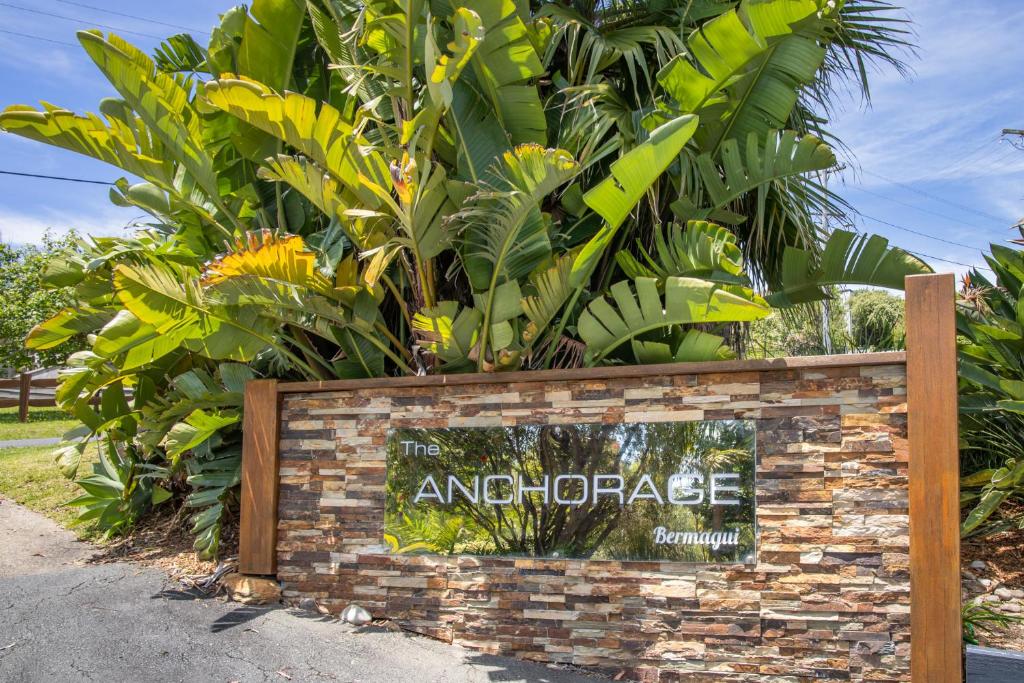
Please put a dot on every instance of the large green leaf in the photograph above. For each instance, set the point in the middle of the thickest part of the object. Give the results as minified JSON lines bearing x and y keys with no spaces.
{"x":702,"y":249}
{"x":479,"y":138}
{"x":68,"y":323}
{"x":316,"y":129}
{"x":743,"y":70}
{"x":126,"y":144}
{"x":196,"y":429}
{"x":551,"y":290}
{"x":764,"y":159}
{"x":632,"y":175}
{"x":505,"y":234}
{"x":450,"y":332}
{"x":694,"y":346}
{"x":848,"y":259}
{"x":503,"y":64}
{"x":133,"y":343}
{"x":177,"y":307}
{"x":160,"y":100}
{"x":639,"y":309}
{"x":270,"y":40}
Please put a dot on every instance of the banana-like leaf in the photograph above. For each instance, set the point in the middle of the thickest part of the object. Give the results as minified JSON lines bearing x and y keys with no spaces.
{"x":848,"y":258}
{"x":502,"y":64}
{"x":991,"y":499}
{"x":702,"y":249}
{"x":266,"y":256}
{"x":632,"y":175}
{"x":212,"y":482}
{"x":316,"y":129}
{"x":196,"y":429}
{"x":743,"y":70}
{"x":468,"y":32}
{"x":724,"y":48}
{"x":426,"y":234}
{"x":479,"y":137}
{"x":505,"y":235}
{"x":135,"y":343}
{"x":605,"y":327}
{"x":450,"y":333}
{"x":65,"y":325}
{"x":174,"y":306}
{"x":774,"y":157}
{"x":126,"y":144}
{"x":552,"y":291}
{"x":270,"y":40}
{"x":181,"y":54}
{"x":160,"y":100}
{"x":695,"y":346}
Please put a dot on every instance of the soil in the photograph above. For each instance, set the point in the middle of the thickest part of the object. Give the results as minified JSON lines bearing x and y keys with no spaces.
{"x":163,"y":541}
{"x":1003,"y":556}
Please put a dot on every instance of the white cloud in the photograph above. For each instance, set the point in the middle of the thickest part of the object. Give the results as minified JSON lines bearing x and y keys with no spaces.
{"x":967,"y":86}
{"x":17,"y":227}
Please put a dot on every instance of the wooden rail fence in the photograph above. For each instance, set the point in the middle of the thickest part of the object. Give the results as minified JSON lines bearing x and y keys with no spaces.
{"x":24,"y":384}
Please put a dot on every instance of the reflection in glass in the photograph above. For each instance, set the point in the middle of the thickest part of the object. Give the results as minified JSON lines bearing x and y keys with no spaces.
{"x":679,"y":491}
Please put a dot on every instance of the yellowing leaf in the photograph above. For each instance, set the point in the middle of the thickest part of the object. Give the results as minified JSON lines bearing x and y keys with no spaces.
{"x":264,"y":255}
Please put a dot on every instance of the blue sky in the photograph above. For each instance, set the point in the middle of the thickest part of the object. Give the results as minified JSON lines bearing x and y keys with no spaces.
{"x":925,"y":158}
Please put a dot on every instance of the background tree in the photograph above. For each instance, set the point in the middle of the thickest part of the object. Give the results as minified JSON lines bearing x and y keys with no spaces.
{"x":877,"y":321}
{"x":26,"y":303}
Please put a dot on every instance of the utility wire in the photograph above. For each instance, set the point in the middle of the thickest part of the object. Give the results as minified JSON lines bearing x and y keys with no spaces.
{"x":129,"y":16}
{"x":932,"y":196}
{"x":79,"y":21}
{"x":56,"y":177}
{"x":983,"y":150}
{"x":923,"y":255}
{"x":32,"y":37}
{"x":922,"y":210}
{"x":918,"y":232}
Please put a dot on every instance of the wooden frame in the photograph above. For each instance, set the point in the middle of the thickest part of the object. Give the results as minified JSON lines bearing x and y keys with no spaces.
{"x":936,"y":655}
{"x":257,"y":552}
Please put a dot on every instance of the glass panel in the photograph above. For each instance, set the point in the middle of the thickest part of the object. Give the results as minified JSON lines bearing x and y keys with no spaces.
{"x":681,"y":491}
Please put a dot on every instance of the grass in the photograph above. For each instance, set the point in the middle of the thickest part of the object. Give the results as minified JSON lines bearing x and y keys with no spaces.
{"x":43,"y":423}
{"x":30,"y":477}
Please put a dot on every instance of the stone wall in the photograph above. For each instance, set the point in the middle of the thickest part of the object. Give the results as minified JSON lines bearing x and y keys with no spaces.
{"x":828,"y":600}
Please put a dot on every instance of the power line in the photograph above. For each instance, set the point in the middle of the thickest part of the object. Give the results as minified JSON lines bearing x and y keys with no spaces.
{"x":918,"y":232}
{"x":32,"y":37}
{"x":923,"y":255}
{"x":933,"y":196}
{"x":972,"y":157}
{"x":955,"y":263}
{"x":56,"y":177}
{"x":79,"y":21}
{"x":918,"y":208}
{"x":129,"y":16}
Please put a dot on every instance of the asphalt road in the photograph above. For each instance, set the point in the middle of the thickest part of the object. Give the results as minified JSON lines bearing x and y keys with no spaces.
{"x":63,"y":619}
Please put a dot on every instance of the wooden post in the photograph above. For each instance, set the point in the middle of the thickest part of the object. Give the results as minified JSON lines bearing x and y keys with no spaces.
{"x":24,"y":395}
{"x":257,"y":552}
{"x":935,"y":630}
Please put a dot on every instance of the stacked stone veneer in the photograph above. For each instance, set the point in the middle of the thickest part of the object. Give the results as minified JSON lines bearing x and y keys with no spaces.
{"x":828,"y":599}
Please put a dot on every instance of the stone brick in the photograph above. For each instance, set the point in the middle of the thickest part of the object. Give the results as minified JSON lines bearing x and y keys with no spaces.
{"x":827,"y":600}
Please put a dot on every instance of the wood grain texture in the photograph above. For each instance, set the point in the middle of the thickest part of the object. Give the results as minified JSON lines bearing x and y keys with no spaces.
{"x":258,"y":524}
{"x":935,"y":641}
{"x":24,"y":393}
{"x":599,"y":373}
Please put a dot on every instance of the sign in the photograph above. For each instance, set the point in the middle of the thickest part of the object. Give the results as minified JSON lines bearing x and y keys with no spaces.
{"x":680,"y":491}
